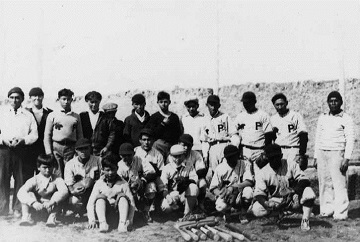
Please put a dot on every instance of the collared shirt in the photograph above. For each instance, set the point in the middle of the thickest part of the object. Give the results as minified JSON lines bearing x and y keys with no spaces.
{"x":93,"y":118}
{"x":19,"y":125}
{"x":193,"y":126}
{"x":75,"y":168}
{"x":252,"y":127}
{"x":237,"y":175}
{"x":335,"y":132}
{"x":141,"y":118}
{"x":38,"y":113}
{"x":109,"y":190}
{"x":153,"y":156}
{"x":172,"y":172}
{"x":216,"y":127}
{"x":195,"y":160}
{"x":50,"y":188}
{"x":134,"y":170}
{"x":289,"y":126}
{"x":61,"y":126}
{"x":276,"y":183}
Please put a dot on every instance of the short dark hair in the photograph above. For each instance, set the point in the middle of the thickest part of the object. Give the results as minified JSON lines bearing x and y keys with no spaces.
{"x":138,"y":99}
{"x":109,"y":161}
{"x":48,"y":160}
{"x":278,"y":96}
{"x":65,"y":92}
{"x":163,"y":95}
{"x":93,"y":95}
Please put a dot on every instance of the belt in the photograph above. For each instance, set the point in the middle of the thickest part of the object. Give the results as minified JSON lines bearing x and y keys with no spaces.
{"x":288,"y":147}
{"x":65,"y":142}
{"x":215,"y":142}
{"x":252,"y":147}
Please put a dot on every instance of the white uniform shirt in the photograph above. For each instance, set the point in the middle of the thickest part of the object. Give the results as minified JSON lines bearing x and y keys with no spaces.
{"x":216,"y":128}
{"x":193,"y":126}
{"x":289,"y":128}
{"x":19,"y":125}
{"x":74,"y":167}
{"x":253,"y":127}
{"x":335,"y":133}
{"x":153,"y":157}
{"x":224,"y":172}
{"x":195,"y":160}
{"x":132,"y":172}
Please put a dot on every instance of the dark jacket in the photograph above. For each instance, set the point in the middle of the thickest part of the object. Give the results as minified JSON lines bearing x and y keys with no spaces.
{"x":170,"y":132}
{"x":133,"y":126}
{"x":104,"y":133}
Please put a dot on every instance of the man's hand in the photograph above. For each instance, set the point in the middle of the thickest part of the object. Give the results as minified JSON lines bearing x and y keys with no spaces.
{"x":8,"y":143}
{"x":103,"y":151}
{"x":37,"y":206}
{"x":344,"y":165}
{"x":49,"y":206}
{"x":92,"y":225}
{"x":166,"y":120}
{"x":78,"y":190}
{"x":18,"y":142}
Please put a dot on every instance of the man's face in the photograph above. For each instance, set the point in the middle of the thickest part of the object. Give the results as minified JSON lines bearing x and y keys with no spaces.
{"x":45,"y":170}
{"x":139,"y":108}
{"x":281,"y":106}
{"x":178,"y":159}
{"x":249,"y":105}
{"x":164,"y":104}
{"x":37,"y":101}
{"x":127,"y":158}
{"x":83,"y":153}
{"x":110,"y":172}
{"x":334,"y":105}
{"x":213,"y":108}
{"x":146,"y":142}
{"x":275,"y":160}
{"x":94,"y":105}
{"x":65,"y":102}
{"x":15,"y":100}
{"x":232,"y":161}
{"x":192,"y":108}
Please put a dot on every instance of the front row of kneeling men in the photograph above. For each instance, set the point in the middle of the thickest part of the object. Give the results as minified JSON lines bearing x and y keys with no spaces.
{"x":107,"y":188}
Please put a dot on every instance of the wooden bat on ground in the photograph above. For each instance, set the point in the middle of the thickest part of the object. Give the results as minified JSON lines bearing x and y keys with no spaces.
{"x":185,"y":235}
{"x":233,"y":234}
{"x":224,"y":236}
{"x":193,"y":236}
{"x":198,"y":232}
{"x":210,"y":234}
{"x":250,"y":236}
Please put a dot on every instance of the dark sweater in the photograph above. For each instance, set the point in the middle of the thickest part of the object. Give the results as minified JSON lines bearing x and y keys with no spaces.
{"x":133,"y":126}
{"x":169,"y":132}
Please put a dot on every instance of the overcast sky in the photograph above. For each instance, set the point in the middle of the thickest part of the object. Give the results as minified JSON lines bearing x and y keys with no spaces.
{"x":157,"y":44}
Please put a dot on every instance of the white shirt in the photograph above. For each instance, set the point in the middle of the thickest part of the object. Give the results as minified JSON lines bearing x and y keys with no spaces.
{"x":93,"y":118}
{"x":141,"y":118}
{"x":19,"y":125}
{"x":193,"y":126}
{"x":216,"y":128}
{"x":153,"y":157}
{"x":74,"y":167}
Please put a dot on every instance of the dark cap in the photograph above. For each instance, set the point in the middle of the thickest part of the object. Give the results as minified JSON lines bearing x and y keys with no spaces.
{"x":272,"y":150}
{"x":147,"y":131}
{"x":186,"y":139}
{"x":126,"y":149}
{"x":110,"y":107}
{"x":231,"y":150}
{"x":335,"y":94}
{"x":83,"y":142}
{"x":248,"y":96}
{"x":191,"y":100}
{"x":213,"y":99}
{"x":16,"y":90}
{"x":138,"y":98}
{"x":36,"y":91}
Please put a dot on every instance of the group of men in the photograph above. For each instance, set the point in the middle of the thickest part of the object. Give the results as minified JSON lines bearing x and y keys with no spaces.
{"x":96,"y":164}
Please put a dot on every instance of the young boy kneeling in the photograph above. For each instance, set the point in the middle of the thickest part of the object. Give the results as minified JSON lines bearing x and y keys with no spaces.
{"x":110,"y":195}
{"x":43,"y":192}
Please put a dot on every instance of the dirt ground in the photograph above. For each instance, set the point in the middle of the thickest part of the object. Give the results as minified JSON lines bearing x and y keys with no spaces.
{"x":322,"y":229}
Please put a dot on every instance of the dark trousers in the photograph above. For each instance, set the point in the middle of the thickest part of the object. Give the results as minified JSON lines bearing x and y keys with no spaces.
{"x":10,"y":165}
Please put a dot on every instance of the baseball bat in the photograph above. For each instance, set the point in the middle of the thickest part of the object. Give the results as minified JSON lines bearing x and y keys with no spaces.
{"x":193,"y":236}
{"x":225,"y":237}
{"x":233,"y":234}
{"x":251,"y":237}
{"x":183,"y":234}
{"x":210,"y":234}
{"x":201,"y":235}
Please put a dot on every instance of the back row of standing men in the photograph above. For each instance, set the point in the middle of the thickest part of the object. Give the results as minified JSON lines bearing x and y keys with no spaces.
{"x":25,"y":136}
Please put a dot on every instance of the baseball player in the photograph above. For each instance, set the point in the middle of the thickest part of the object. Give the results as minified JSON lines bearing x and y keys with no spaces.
{"x":334,"y":144}
{"x":216,"y":134}
{"x":290,"y":130}
{"x":253,"y":125}
{"x":282,"y":186}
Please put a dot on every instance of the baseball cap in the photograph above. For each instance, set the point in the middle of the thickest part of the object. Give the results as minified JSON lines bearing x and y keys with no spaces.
{"x":110,"y":107}
{"x":248,"y":96}
{"x":126,"y":149}
{"x":138,"y":98}
{"x":36,"y":91}
{"x":16,"y":90}
{"x":231,"y":150}
{"x":83,"y":142}
{"x":177,"y":150}
{"x":147,"y":131}
{"x":213,"y":99}
{"x":191,"y":100}
{"x":186,"y":139}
